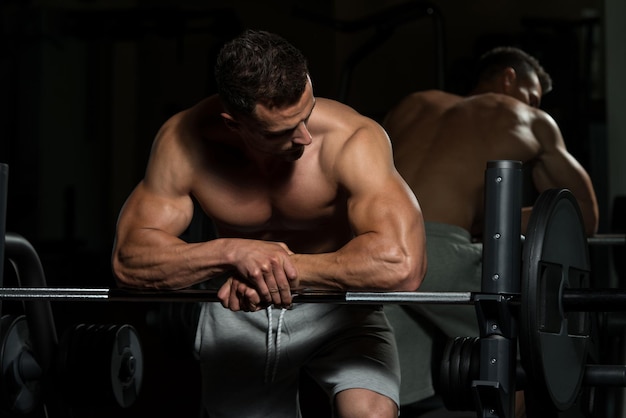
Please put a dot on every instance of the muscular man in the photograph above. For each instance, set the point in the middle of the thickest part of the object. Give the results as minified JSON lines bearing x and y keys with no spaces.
{"x":304,"y":194}
{"x":442,"y":143}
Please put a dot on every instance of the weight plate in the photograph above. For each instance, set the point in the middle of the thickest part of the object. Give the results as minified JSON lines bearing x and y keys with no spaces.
{"x":101,"y":365}
{"x":465,"y":374}
{"x":455,"y":372}
{"x":555,"y":257}
{"x":126,"y":365}
{"x":445,"y":384}
{"x":20,"y":375}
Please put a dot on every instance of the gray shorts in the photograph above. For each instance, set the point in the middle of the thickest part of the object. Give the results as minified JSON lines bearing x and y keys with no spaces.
{"x":454,"y":264}
{"x":250,"y":370}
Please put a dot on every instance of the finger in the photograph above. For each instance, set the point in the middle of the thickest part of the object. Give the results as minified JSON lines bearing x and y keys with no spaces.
{"x":278,"y":282}
{"x":282,"y":292}
{"x":253,"y":300}
{"x":290,"y":271}
{"x":245,"y":302}
{"x":223,"y":294}
{"x":260,"y":283}
{"x":272,"y":287}
{"x":248,"y":298}
{"x":234,"y":302}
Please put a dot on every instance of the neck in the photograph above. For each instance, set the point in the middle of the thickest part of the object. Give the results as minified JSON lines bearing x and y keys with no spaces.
{"x":485,"y":87}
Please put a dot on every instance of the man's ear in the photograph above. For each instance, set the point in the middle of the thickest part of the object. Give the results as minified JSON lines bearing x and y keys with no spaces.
{"x":509,"y":79}
{"x":229,"y":120}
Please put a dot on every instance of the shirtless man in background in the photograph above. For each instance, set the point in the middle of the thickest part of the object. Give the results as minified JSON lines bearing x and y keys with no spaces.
{"x":304,"y":194}
{"x":442,"y":143}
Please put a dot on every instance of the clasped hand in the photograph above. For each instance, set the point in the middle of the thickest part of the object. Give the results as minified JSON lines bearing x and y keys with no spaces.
{"x":265,"y":276}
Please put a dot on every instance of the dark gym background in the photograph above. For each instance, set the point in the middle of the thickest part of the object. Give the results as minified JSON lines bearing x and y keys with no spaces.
{"x":85,"y":84}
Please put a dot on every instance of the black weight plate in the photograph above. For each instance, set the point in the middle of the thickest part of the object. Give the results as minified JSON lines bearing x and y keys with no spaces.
{"x":126,"y":376}
{"x":17,"y":394}
{"x":445,"y":385}
{"x":555,"y":257}
{"x":456,"y":388}
{"x":466,"y":378}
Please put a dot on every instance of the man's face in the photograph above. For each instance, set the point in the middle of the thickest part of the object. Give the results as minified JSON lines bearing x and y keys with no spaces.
{"x":281,"y":132}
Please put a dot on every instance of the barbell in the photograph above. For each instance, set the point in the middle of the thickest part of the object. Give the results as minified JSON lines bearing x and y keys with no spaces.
{"x":589,"y":300}
{"x":202,"y":295}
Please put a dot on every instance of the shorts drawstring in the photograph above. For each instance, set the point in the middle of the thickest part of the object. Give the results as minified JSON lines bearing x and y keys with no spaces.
{"x":271,"y":343}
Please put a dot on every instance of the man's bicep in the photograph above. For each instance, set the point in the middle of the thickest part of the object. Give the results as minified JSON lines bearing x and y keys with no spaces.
{"x":374,"y":187}
{"x":391,"y":210}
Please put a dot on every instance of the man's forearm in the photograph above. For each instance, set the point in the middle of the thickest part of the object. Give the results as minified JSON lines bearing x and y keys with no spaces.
{"x":168,"y":263}
{"x":362,"y":264}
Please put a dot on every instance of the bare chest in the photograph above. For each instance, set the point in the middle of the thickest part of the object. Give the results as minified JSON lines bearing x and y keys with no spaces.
{"x":246,"y":203}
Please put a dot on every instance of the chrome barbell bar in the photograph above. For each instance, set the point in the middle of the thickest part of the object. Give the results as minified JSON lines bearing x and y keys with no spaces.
{"x":201,"y":295}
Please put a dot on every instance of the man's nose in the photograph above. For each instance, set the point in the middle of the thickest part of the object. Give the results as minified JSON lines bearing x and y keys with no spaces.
{"x":302,"y":135}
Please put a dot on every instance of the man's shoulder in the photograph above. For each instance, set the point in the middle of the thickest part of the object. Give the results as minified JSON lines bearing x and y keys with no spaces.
{"x":431,"y":97}
{"x":333,"y":116}
{"x":434,"y":94}
{"x":499,"y":100}
{"x":331,"y":106}
{"x":337,"y":128}
{"x":193,"y":132}
{"x":491,"y":105}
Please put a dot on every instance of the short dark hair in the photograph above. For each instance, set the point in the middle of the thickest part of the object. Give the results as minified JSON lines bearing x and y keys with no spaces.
{"x":259,"y":67}
{"x":497,"y":59}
